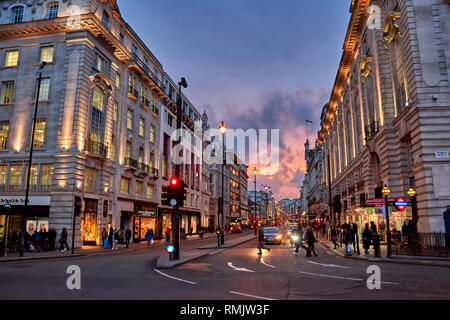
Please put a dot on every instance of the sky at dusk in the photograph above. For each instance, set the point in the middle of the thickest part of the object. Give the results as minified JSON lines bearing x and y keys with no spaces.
{"x":252,"y":64}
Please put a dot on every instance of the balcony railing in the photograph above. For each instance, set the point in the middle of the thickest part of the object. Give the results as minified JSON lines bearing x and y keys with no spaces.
{"x":372,"y":129}
{"x":146,"y":168}
{"x":154,"y":109}
{"x":96,"y":148}
{"x":144,"y":67}
{"x":133,"y":91}
{"x":144,"y":101}
{"x":131,"y":163}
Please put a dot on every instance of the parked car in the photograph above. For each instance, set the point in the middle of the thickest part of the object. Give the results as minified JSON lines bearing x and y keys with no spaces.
{"x":273,"y":235}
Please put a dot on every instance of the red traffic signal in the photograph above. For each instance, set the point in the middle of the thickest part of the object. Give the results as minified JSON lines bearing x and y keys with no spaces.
{"x":173,"y":181}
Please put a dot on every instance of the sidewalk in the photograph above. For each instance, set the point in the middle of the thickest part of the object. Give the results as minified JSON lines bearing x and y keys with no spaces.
{"x":428,"y":261}
{"x":90,"y":251}
{"x":164,"y":262}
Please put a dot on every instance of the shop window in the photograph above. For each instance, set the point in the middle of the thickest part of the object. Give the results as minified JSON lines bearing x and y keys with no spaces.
{"x":90,"y":180}
{"x":12,"y":58}
{"x":4,"y":131}
{"x":46,"y":176}
{"x":15,"y":177}
{"x":39,"y":134}
{"x":124,"y":185}
{"x":7,"y":92}
{"x":47,"y":54}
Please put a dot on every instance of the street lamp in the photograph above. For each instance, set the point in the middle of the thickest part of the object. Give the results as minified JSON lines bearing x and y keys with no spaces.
{"x":412,"y":193}
{"x":266,"y":188}
{"x":223,"y":129}
{"x":255,"y":172}
{"x":27,"y":189}
{"x":386,"y":193}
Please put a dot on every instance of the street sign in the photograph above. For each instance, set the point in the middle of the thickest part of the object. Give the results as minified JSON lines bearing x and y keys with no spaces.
{"x":170,"y":249}
{"x":377,"y":202}
{"x":401,"y":204}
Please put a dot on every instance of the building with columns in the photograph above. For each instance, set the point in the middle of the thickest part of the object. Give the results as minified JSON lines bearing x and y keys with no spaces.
{"x":107,"y":110}
{"x":388,"y":119}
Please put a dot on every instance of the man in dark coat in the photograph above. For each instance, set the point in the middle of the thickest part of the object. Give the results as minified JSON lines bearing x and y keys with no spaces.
{"x":310,"y":241}
{"x":127,"y":237}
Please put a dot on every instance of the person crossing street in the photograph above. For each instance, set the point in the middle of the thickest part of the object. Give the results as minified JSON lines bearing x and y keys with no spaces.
{"x":261,"y":242}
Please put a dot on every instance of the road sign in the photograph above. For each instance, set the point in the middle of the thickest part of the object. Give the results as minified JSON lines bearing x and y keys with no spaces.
{"x":377,"y":202}
{"x":401,"y":204}
{"x":170,"y":249}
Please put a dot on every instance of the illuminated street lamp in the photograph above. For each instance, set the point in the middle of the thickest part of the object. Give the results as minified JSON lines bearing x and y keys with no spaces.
{"x":386,"y":193}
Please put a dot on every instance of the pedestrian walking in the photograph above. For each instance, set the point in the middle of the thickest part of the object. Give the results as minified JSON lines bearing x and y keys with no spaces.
{"x":104,"y":238}
{"x":310,"y":241}
{"x":127,"y":237}
{"x":296,"y":236}
{"x":110,"y":237}
{"x":149,"y":236}
{"x":168,"y":231}
{"x":367,"y":238}
{"x":115,"y":239}
{"x":260,"y":244}
{"x":52,"y":238}
{"x":334,"y":236}
{"x":63,"y":241}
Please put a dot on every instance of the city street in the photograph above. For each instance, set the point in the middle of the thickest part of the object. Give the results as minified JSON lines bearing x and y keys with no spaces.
{"x":235,"y":274}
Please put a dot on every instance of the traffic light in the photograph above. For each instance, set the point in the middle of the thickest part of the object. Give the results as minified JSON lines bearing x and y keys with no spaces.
{"x":77,"y":206}
{"x":182,"y":194}
{"x":174,"y":192}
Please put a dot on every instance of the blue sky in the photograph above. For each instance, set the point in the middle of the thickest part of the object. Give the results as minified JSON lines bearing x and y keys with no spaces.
{"x":254,"y":59}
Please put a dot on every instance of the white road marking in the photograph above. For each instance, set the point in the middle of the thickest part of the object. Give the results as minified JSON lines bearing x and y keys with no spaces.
{"x":166,"y":275}
{"x":328,"y":265}
{"x":239,"y":269}
{"x":390,"y":283}
{"x":249,"y":295}
{"x":266,"y":264}
{"x":343,"y":278}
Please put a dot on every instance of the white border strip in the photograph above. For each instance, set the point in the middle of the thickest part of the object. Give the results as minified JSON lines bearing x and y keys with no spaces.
{"x":249,"y":295}
{"x":266,"y":264}
{"x":166,"y":275}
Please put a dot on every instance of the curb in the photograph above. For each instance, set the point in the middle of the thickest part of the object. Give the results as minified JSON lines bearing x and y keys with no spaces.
{"x":403,"y":261}
{"x":44,"y":258}
{"x":203,"y":254}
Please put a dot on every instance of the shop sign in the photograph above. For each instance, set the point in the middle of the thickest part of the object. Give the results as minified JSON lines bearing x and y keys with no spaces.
{"x":20,"y":200}
{"x":146,"y":213}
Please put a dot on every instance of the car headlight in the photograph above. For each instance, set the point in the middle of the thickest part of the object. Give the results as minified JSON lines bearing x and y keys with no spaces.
{"x":295,"y":238}
{"x":279,"y":236}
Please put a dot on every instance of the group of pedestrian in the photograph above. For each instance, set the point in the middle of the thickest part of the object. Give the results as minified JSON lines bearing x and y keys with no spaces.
{"x":43,"y":240}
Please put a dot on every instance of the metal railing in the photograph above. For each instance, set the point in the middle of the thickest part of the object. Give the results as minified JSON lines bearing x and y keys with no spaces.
{"x":146,"y":69}
{"x":131,"y":163}
{"x":422,"y":244}
{"x":96,"y":148}
{"x":145,"y":101}
{"x":146,"y":168}
{"x":371,"y":129}
{"x":133,"y":91}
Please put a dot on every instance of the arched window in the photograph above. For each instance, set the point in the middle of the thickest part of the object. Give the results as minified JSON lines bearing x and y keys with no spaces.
{"x":52,"y":11}
{"x":17,"y":14}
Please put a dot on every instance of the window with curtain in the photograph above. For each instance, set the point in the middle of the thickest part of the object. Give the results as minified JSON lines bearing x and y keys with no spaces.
{"x":105,"y":18}
{"x":150,"y":191}
{"x":141,"y":155}
{"x":11,"y":58}
{"x":15,"y":177}
{"x":17,"y":15}
{"x":90,"y":180}
{"x":124,"y":185}
{"x":33,"y":176}
{"x":44,"y":89}
{"x":46,"y":176}
{"x":98,"y":116}
{"x":130,"y":118}
{"x":47,"y":54}
{"x":152,"y":133}
{"x":39,"y":134}
{"x":139,"y":185}
{"x":4,"y":132}
{"x":141,"y":127}
{"x":7,"y":92}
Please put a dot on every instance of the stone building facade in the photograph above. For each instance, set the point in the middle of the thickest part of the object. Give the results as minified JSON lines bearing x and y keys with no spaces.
{"x":388,"y":119}
{"x":106,"y":113}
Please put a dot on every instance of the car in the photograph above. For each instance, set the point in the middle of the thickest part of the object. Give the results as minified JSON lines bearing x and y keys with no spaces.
{"x":291,"y":227}
{"x":235,"y":228}
{"x":273,"y":235}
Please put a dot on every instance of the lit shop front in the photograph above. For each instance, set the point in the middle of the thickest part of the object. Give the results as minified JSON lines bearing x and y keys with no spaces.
{"x":12,"y":214}
{"x":89,"y":222}
{"x":190,"y":221}
{"x":144,"y":219}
